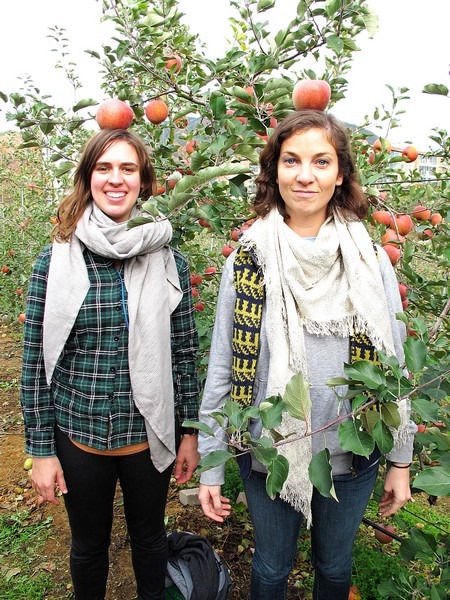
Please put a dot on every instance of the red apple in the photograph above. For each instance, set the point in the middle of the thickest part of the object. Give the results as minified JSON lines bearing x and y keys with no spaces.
{"x":204,"y":223}
{"x":382,"y":144}
{"x":156,"y":111}
{"x":312,"y":94}
{"x":392,"y":237}
{"x":173,"y":62}
{"x":235,"y":235}
{"x":404,"y":224}
{"x":410,"y":153}
{"x":199,"y":306}
{"x":382,"y":216}
{"x":421,"y":428}
{"x":194,"y":292}
{"x":210,"y":271}
{"x":426,"y":234}
{"x":393,"y":252}
{"x":403,"y":289}
{"x":383,"y":537}
{"x":436,"y":218}
{"x":190,"y":146}
{"x":114,"y":114}
{"x":196,"y":279}
{"x":227,"y":250}
{"x":22,"y":317}
{"x":421,"y":213}
{"x":11,"y":252}
{"x":5,"y":269}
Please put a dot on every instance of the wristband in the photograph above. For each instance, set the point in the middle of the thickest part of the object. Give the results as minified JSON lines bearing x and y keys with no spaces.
{"x":188,"y":431}
{"x":401,"y":466}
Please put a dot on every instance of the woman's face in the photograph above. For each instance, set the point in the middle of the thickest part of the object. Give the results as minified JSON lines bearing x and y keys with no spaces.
{"x":116,"y":181}
{"x":308,"y":173}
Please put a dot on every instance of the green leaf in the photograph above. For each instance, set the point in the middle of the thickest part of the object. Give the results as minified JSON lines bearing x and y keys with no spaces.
{"x":241,"y":94}
{"x":296,"y":397}
{"x":151,"y":207}
{"x":320,"y":474}
{"x":84,"y":104}
{"x":264,"y":5}
{"x":64,"y":168}
{"x":353,"y":439}
{"x":138,"y":221}
{"x":427,"y":410}
{"x":4,"y":97}
{"x":335,"y":381}
{"x":415,"y":354}
{"x":420,"y":545}
{"x":436,"y":88}
{"x":265,"y":455}
{"x":371,"y":22}
{"x":214,"y":459}
{"x":218,"y":104}
{"x":200,"y":426}
{"x":383,"y":437}
{"x":272,"y":414}
{"x":389,"y":414}
{"x":367,"y":373}
{"x":335,"y":43}
{"x":277,"y":473}
{"x":248,"y":152}
{"x":434,"y":481}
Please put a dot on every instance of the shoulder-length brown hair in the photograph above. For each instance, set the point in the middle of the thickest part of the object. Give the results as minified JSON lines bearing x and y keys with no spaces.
{"x":72,"y":206}
{"x":348,"y":197}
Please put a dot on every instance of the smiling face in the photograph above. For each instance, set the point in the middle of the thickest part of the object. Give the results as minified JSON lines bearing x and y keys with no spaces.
{"x":116,"y":181}
{"x":307,"y":175}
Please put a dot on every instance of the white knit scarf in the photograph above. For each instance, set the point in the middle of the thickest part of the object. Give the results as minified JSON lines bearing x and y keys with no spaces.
{"x":151,"y":279}
{"x":332,"y":286}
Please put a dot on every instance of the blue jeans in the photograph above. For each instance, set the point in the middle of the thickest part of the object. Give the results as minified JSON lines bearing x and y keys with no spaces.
{"x":276,"y":527}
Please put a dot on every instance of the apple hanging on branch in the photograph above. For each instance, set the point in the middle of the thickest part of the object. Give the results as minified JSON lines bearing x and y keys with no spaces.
{"x":312,"y":94}
{"x":114,"y":114}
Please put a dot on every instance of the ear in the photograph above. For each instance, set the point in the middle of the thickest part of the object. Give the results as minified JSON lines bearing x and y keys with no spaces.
{"x":339,"y":180}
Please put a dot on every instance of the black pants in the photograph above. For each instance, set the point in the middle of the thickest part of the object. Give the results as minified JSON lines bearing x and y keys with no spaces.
{"x":91,"y":482}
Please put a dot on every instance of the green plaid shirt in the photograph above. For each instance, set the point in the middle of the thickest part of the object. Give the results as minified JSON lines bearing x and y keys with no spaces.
{"x":90,"y":397}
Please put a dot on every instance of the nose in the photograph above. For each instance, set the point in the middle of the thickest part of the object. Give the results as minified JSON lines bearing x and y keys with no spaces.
{"x":115,"y":176}
{"x":304,"y":173}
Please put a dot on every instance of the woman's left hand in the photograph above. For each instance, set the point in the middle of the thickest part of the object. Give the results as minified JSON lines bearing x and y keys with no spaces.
{"x":397,"y":491}
{"x":187,"y":459}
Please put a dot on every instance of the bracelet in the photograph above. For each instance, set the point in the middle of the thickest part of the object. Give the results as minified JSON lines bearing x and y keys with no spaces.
{"x":401,"y":466}
{"x":188,"y":431}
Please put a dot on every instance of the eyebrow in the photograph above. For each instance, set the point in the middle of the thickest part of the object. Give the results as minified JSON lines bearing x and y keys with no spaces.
{"x":125,"y":164}
{"x":318,"y":154}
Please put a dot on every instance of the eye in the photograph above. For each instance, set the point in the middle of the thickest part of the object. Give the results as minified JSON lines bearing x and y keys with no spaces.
{"x":101,"y":168}
{"x":289,"y":160}
{"x":323,"y":162}
{"x":129,"y":169}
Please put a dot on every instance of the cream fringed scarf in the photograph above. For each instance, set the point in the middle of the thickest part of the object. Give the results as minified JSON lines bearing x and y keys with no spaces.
{"x":330,"y":287}
{"x":151,"y":279}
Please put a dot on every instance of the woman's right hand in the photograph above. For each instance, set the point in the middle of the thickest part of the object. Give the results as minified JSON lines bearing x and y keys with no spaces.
{"x":214,"y":505}
{"x":46,"y":472}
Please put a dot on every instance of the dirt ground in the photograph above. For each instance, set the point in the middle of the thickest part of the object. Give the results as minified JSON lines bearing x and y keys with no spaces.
{"x":232,"y":540}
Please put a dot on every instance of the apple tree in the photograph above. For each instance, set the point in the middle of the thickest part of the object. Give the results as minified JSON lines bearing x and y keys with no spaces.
{"x":210,"y":120}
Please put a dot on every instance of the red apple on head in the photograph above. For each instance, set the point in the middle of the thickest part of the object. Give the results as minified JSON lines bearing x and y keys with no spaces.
{"x":114,"y":114}
{"x":156,"y":111}
{"x":311,"y":94}
{"x":410,"y":153}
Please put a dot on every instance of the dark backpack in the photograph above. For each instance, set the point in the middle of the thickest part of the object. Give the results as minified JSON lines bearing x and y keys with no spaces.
{"x":194,"y":569}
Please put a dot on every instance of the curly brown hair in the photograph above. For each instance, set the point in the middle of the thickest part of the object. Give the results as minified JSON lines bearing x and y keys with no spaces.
{"x":72,"y":206}
{"x":348,"y":197}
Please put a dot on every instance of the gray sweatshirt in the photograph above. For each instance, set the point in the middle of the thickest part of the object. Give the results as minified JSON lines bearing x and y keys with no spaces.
{"x":326,"y":356}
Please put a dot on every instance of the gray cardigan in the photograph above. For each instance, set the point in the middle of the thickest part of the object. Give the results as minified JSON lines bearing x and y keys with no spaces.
{"x":326,"y":356}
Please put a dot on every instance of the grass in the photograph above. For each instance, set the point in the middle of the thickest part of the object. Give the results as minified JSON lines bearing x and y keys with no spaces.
{"x":21,"y":538}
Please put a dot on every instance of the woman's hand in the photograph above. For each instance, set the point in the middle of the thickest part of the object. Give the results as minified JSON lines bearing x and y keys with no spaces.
{"x":214,"y":505}
{"x":397,"y":491}
{"x":187,"y":459}
{"x":47,"y":472}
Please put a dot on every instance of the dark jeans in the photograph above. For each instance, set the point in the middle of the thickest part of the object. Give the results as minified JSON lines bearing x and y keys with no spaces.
{"x":276,"y":526}
{"x":91,"y":482}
